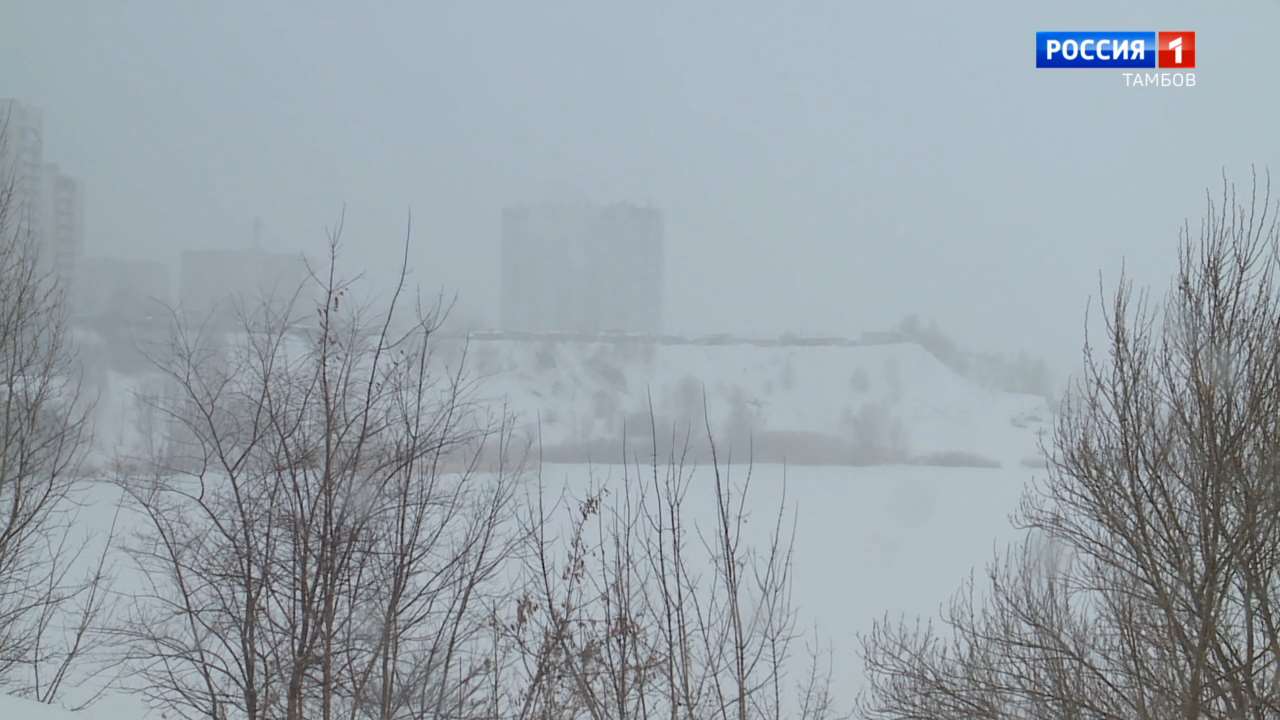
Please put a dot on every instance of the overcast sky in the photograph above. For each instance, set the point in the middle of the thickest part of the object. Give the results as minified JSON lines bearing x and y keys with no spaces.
{"x":823,"y":166}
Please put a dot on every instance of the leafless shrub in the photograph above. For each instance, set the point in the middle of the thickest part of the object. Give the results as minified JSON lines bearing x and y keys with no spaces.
{"x":318,"y":539}
{"x":1151,"y":587}
{"x":641,"y":611}
{"x":51,"y":592}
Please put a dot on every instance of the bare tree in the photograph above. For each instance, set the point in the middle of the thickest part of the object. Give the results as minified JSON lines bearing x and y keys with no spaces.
{"x":1150,"y":585}
{"x":51,"y":591}
{"x":319,"y":540}
{"x":332,"y":528}
{"x":641,"y":610}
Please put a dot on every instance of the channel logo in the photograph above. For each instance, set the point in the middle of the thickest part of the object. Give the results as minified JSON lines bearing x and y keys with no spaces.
{"x":1174,"y":50}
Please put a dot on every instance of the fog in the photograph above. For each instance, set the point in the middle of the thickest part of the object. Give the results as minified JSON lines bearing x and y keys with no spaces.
{"x":825,"y":169}
{"x":852,"y":246}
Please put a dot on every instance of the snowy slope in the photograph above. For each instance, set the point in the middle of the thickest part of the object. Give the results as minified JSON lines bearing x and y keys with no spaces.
{"x":112,"y":707}
{"x":12,"y":707}
{"x":817,"y":404}
{"x":891,"y":394}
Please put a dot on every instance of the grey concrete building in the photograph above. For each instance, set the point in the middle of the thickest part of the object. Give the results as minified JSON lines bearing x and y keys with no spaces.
{"x":48,"y":203}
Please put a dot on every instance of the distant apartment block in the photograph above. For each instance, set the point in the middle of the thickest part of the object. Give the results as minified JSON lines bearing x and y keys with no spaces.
{"x":49,"y":204}
{"x":22,"y":162}
{"x":216,"y":285}
{"x":62,"y":221}
{"x":582,"y":269}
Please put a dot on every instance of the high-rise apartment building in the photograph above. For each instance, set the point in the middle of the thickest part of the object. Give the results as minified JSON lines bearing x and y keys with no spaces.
{"x":47,"y":204}
{"x":22,"y":162}
{"x":62,"y":220}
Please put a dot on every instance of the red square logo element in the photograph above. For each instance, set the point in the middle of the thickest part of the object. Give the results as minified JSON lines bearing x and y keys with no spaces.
{"x":1177,"y":49}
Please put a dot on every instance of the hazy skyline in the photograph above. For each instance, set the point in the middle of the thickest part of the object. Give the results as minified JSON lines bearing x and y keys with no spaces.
{"x":826,"y":168}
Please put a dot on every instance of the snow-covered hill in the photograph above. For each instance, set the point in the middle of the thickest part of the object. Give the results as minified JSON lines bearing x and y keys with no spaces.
{"x":829,"y":404}
{"x":817,"y":403}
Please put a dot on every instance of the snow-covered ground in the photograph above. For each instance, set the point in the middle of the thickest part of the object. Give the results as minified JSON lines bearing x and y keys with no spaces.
{"x":19,"y":709}
{"x":111,"y":707}
{"x":871,"y":540}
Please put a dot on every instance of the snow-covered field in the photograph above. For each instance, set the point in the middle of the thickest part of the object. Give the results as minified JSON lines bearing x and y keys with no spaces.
{"x":111,"y":707}
{"x":19,"y":709}
{"x":871,"y":540}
